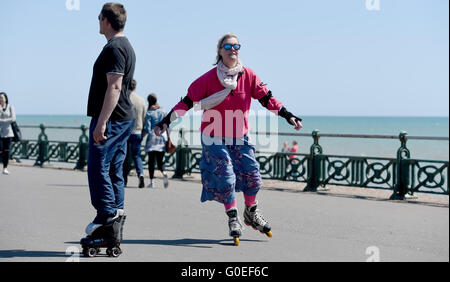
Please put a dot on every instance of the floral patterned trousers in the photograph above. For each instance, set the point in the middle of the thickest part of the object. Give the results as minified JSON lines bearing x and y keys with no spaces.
{"x":228,"y":166}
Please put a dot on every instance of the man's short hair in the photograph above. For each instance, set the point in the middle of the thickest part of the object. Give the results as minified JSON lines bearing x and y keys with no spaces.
{"x":116,"y":15}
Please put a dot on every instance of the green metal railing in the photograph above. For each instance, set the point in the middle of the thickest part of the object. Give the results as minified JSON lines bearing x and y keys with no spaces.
{"x":42,"y":150}
{"x":402,"y":174}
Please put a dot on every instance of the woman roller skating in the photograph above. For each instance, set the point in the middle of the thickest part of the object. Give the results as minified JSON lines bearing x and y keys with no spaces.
{"x":228,"y":162}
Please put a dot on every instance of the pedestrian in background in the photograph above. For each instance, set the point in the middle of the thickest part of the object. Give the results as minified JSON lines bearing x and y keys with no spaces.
{"x":7,"y":116}
{"x":135,"y":140}
{"x":294,"y":149}
{"x":285,"y":148}
{"x":156,"y":145}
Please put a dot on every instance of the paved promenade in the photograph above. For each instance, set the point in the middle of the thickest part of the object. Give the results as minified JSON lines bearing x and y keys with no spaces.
{"x":44,"y":213}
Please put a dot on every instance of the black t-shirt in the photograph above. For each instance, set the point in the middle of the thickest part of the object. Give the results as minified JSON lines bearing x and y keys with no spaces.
{"x":116,"y":57}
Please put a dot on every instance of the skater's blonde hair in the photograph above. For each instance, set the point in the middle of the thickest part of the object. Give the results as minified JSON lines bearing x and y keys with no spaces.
{"x":219,"y":45}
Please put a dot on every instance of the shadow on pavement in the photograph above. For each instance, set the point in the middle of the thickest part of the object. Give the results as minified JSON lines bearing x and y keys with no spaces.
{"x":30,"y":254}
{"x":195,"y":243}
{"x":67,"y":185}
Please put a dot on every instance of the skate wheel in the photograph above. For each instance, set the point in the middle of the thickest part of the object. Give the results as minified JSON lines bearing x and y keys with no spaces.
{"x":114,"y":252}
{"x":269,"y":234}
{"x":236,"y":241}
{"x":90,"y":252}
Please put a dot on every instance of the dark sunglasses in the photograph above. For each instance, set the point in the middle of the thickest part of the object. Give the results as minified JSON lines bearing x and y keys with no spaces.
{"x":100,"y":18}
{"x":228,"y":46}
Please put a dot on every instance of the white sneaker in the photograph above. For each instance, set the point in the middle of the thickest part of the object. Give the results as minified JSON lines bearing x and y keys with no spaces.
{"x":120,"y":212}
{"x":5,"y":171}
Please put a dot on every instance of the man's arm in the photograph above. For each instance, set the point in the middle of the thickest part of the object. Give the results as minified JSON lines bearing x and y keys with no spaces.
{"x":109,"y":104}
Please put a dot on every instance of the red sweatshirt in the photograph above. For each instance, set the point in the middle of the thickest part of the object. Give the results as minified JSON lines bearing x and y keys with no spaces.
{"x":230,"y":118}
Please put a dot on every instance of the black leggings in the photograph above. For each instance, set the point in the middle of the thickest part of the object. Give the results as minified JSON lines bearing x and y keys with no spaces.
{"x":5,"y":145}
{"x":159,"y":156}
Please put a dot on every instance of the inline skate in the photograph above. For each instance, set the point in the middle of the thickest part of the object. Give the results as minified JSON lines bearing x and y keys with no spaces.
{"x":235,"y":225}
{"x":253,"y":217}
{"x":108,"y":235}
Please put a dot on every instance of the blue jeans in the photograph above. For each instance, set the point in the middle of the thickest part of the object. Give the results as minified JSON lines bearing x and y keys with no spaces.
{"x":135,"y":146}
{"x":105,"y":168}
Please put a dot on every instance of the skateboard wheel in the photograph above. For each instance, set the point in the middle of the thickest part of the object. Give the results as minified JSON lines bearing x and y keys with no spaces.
{"x":236,"y":241}
{"x":269,"y":234}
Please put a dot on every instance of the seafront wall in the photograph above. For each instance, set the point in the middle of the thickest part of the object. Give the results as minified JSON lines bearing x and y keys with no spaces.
{"x":401,"y":174}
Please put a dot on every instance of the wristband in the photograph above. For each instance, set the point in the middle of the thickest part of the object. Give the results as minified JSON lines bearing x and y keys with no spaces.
{"x":287,"y":115}
{"x":189,"y":103}
{"x":168,"y":119}
{"x":265,"y":100}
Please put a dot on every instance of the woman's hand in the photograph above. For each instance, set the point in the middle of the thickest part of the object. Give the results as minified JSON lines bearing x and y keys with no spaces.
{"x":290,"y":118}
{"x":158,"y":131}
{"x":297,"y":123}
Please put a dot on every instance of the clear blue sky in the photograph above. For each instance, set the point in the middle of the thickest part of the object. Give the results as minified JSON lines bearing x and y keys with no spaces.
{"x":319,"y":57}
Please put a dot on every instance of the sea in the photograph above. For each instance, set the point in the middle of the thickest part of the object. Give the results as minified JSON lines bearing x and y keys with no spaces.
{"x":341,"y":146}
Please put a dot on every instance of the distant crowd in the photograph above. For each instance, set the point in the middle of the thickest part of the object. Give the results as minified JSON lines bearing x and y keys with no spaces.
{"x":293,"y":149}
